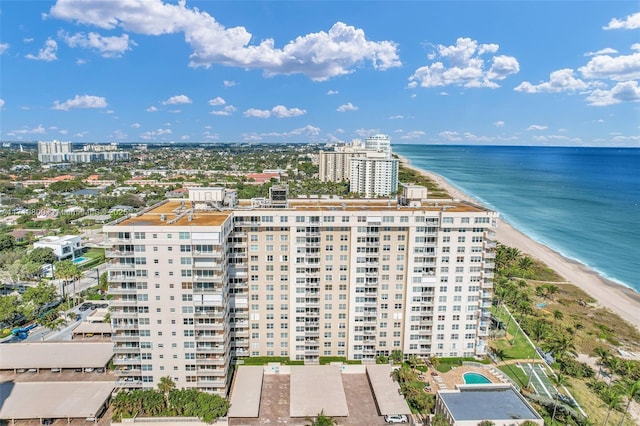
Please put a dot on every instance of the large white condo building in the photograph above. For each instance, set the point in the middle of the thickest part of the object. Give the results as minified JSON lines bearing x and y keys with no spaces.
{"x":199,"y":284}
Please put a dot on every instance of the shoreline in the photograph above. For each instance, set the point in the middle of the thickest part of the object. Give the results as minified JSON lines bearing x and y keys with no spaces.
{"x":609,"y":294}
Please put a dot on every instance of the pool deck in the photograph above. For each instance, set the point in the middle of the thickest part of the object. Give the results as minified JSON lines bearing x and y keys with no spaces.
{"x":455,"y":376}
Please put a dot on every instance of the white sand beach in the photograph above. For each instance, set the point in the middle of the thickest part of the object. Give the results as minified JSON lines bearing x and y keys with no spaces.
{"x":618,"y":298}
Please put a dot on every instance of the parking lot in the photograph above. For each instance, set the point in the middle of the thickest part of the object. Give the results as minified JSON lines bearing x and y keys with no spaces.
{"x":275,"y":400}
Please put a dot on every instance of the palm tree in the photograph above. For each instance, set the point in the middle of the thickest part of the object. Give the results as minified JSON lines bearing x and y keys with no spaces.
{"x":561,"y":345}
{"x":558,"y":315}
{"x":321,"y":420}
{"x":559,"y":380}
{"x":613,"y":364}
{"x":612,"y":400}
{"x":524,"y":264}
{"x":603,"y":356}
{"x":631,"y":390}
{"x":166,"y":385}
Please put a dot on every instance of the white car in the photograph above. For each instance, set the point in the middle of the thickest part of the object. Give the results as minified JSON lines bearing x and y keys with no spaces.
{"x":396,"y":418}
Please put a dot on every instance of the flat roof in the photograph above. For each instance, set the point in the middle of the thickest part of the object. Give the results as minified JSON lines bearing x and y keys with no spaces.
{"x":487,"y":402}
{"x":56,"y":400}
{"x":386,"y":391}
{"x":247,"y":388}
{"x":55,"y":354}
{"x":316,"y":388}
{"x":168,"y":209}
{"x":93,"y":327}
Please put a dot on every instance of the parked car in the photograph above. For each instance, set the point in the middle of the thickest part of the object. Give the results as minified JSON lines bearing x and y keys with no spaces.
{"x":396,"y":418}
{"x":85,"y":306}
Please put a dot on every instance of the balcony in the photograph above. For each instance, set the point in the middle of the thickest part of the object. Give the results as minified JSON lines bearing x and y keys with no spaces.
{"x":119,"y":326}
{"x":212,"y":383}
{"x":113,"y":266}
{"x":123,"y":302}
{"x":122,"y":290}
{"x":242,"y":334}
{"x":218,"y":326}
{"x":120,"y":314}
{"x":128,"y":382}
{"x":127,"y":372}
{"x":133,"y":360}
{"x":126,"y":350}
{"x":119,"y":253}
{"x":218,"y":372}
{"x":216,"y":338}
{"x":211,"y":361}
{"x":211,"y":349}
{"x":214,"y":253}
{"x":125,"y":338}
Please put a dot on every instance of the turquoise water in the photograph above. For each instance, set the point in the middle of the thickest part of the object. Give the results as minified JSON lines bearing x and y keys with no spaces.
{"x":80,"y":259}
{"x":475,"y":379}
{"x":582,"y":202}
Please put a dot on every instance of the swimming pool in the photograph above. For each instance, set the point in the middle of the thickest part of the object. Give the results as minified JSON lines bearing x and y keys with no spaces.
{"x":475,"y":379}
{"x":79,"y":260}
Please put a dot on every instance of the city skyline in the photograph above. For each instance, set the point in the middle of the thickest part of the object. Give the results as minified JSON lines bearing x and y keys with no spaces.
{"x":499,"y":73}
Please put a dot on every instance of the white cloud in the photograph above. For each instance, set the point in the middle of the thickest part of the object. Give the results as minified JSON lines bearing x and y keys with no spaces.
{"x":28,"y":40}
{"x":347,"y":107}
{"x":627,"y":91}
{"x":217,"y":101}
{"x":4,"y":47}
{"x":499,"y":123}
{"x":176,"y":100}
{"x":364,"y":133}
{"x":258,"y":113}
{"x":81,"y":61}
{"x":605,"y":51}
{"x":450,"y":136}
{"x":81,"y":134}
{"x":229,"y":83}
{"x":251,"y":137}
{"x":631,"y":22}
{"x":1,"y":103}
{"x":226,"y":111}
{"x":562,"y":80}
{"x":278,"y":111}
{"x":81,"y":101}
{"x":537,"y":127}
{"x":320,"y":56}
{"x":396,"y":117}
{"x":175,"y":111}
{"x":281,"y":111}
{"x":110,"y":111}
{"x":307,"y":130}
{"x":550,"y":138}
{"x":618,"y":68}
{"x":135,"y":125}
{"x":25,"y":130}
{"x":332,"y":92}
{"x":151,"y":109}
{"x":413,"y":135}
{"x":47,"y":53}
{"x":108,"y":47}
{"x":118,"y":134}
{"x":63,"y":132}
{"x":153,"y":133}
{"x":184,"y":137}
{"x":465,"y":66}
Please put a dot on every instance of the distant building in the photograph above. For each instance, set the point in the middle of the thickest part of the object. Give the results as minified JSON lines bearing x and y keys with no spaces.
{"x":369,"y":166}
{"x":500,"y":404}
{"x":65,"y":247}
{"x":374,"y":175}
{"x":61,"y":152}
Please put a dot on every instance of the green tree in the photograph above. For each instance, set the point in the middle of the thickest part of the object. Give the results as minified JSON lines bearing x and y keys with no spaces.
{"x":321,"y":420}
{"x":51,"y":320}
{"x":42,"y":255}
{"x":36,"y":297}
{"x":559,"y":380}
{"x":630,"y":390}
{"x":9,"y":309}
{"x":67,"y":271}
{"x":7,"y":242}
{"x":486,"y":423}
{"x":558,"y":315}
{"x":612,"y":401}
{"x":166,"y":385}
{"x":396,"y":355}
{"x":439,"y":420}
{"x":525,"y":264}
{"x":603,"y":355}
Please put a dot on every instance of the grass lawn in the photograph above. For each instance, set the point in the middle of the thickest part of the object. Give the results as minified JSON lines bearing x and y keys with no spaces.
{"x":516,"y":374}
{"x":518,"y":348}
{"x":445,"y":364}
{"x":94,"y":253}
{"x":593,"y":406}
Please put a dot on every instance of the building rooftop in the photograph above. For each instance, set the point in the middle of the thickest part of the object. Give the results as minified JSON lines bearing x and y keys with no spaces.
{"x":165,"y":213}
{"x":385,"y":390}
{"x":57,"y":400}
{"x":55,"y":355}
{"x":316,"y":388}
{"x":247,"y":387}
{"x":487,"y":402}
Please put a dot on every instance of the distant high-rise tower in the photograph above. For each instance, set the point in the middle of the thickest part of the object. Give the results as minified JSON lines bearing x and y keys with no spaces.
{"x":378,"y":143}
{"x":53,"y":151}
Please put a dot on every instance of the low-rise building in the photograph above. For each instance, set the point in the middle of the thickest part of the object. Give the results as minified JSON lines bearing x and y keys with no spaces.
{"x":64,"y":247}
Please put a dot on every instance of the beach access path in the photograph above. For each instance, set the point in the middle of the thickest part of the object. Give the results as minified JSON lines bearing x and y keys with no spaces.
{"x":609,"y":294}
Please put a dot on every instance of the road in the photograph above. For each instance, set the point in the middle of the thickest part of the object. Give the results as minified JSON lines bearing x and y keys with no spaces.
{"x":89,"y":279}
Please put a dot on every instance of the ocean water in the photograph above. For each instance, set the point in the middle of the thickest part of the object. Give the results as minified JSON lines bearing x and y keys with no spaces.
{"x":582,"y":202}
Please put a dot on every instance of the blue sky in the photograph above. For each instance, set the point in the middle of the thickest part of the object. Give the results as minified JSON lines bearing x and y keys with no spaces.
{"x":424,"y":72}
